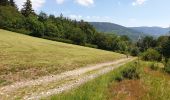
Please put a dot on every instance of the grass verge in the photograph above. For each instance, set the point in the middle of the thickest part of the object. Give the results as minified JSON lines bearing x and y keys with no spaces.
{"x":152,"y":85}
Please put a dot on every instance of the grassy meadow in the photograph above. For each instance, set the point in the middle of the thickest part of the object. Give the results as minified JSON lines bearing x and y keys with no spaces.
{"x":24,"y":57}
{"x":152,"y":85}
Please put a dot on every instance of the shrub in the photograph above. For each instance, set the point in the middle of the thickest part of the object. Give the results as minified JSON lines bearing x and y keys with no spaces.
{"x":58,"y":39}
{"x":131,"y":72}
{"x":165,"y":49}
{"x":91,"y":45}
{"x":151,"y":55}
{"x":119,"y":78}
{"x":154,"y":66}
{"x":167,"y":66}
{"x":134,"y":52}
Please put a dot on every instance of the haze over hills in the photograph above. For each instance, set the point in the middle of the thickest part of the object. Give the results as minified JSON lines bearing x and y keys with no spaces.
{"x":154,"y":31}
{"x":132,"y":32}
{"x":117,"y":29}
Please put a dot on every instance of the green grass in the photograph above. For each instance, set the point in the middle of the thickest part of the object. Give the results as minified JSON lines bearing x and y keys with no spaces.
{"x":158,"y":83}
{"x":24,"y":57}
{"x":155,"y":83}
{"x":93,"y":90}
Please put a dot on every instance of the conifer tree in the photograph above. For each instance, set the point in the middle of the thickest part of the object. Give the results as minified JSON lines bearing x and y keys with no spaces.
{"x":27,"y":8}
{"x":12,"y":3}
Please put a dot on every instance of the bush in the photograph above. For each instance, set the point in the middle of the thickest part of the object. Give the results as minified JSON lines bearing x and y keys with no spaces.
{"x":10,"y":18}
{"x":165,"y":49}
{"x":151,"y":55}
{"x":91,"y":45}
{"x":36,"y":26}
{"x":131,"y":72}
{"x":134,"y":52}
{"x":119,"y":78}
{"x":58,"y":39}
{"x":154,"y":66}
{"x":167,"y":66}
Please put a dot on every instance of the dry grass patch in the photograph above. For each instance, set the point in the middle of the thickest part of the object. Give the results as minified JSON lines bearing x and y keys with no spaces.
{"x":127,"y":90}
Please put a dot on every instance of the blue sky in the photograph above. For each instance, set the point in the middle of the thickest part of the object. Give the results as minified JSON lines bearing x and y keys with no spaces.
{"x":124,"y":12}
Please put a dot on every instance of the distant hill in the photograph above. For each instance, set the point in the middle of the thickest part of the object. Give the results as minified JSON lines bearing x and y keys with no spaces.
{"x":117,"y":29}
{"x":153,"y":31}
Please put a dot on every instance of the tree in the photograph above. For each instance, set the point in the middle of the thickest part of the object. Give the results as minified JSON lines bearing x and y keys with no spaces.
{"x":162,"y":40}
{"x":4,"y":2}
{"x":12,"y":3}
{"x":166,"y":49}
{"x":42,"y":17}
{"x":27,"y":8}
{"x":99,"y":40}
{"x":52,"y":17}
{"x":134,"y":51}
{"x":35,"y":26}
{"x":51,"y":29}
{"x":146,"y":43}
{"x":151,"y":55}
{"x":125,"y":38}
{"x":77,"y":36}
{"x":167,"y":66}
{"x":10,"y":18}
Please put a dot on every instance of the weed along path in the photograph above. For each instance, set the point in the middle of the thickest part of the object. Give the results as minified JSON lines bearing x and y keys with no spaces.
{"x":55,"y":84}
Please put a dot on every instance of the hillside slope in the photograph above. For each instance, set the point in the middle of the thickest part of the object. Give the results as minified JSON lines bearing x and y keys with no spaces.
{"x":23,"y":57}
{"x":117,"y":29}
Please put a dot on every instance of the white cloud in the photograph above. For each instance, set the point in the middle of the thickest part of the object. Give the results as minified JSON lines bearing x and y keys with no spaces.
{"x":77,"y":17}
{"x":91,"y":18}
{"x":35,"y":3}
{"x":60,"y":1}
{"x":85,"y":2}
{"x":80,"y":2}
{"x":138,"y":2}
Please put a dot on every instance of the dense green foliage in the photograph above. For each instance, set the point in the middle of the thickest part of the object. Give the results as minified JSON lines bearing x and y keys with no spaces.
{"x":134,"y":51}
{"x":167,"y":66}
{"x":27,"y":9}
{"x":4,"y":2}
{"x":154,"y":66}
{"x":131,"y":72}
{"x":151,"y":55}
{"x":146,"y":43}
{"x":166,"y":49}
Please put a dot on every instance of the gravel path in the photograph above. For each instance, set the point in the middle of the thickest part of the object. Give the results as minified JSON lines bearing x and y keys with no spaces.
{"x":66,"y":86}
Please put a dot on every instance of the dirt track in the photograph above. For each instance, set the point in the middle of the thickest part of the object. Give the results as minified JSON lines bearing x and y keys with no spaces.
{"x":77,"y":77}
